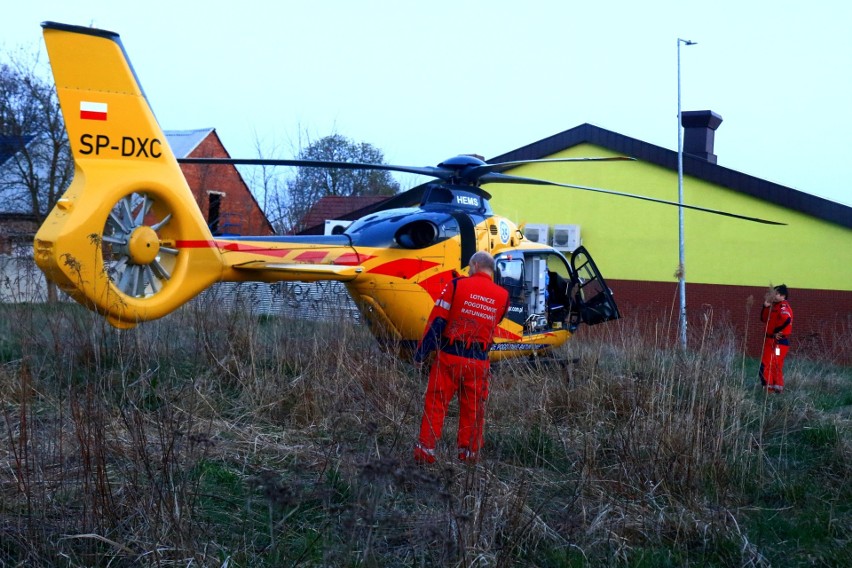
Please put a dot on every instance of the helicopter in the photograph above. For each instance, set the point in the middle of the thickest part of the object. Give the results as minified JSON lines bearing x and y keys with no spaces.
{"x":128,"y":240}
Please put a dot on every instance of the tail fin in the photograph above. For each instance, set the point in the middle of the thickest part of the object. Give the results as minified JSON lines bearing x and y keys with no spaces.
{"x":127,"y":239}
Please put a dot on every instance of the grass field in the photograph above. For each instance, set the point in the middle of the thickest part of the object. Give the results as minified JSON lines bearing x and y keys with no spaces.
{"x":218,"y":439}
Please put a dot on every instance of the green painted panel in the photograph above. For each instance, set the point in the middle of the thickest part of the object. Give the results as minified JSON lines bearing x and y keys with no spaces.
{"x":635,"y":240}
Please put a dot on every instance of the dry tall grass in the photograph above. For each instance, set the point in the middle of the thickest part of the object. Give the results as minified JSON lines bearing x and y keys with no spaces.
{"x":212,"y":439}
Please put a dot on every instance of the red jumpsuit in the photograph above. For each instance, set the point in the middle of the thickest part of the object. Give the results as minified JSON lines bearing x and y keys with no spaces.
{"x":776,"y":343}
{"x":461,"y":327}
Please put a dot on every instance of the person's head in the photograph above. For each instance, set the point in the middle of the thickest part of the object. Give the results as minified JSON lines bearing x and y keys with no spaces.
{"x":781,"y":290}
{"x":482,"y":261}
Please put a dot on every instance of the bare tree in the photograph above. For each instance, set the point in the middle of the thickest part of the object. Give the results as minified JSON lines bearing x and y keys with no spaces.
{"x":269,"y":186}
{"x":36,"y":165}
{"x":39,"y":167}
{"x":311,"y":184}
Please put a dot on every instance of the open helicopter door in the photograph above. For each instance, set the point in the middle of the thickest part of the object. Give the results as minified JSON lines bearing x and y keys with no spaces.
{"x":594,"y":301}
{"x":538,"y":283}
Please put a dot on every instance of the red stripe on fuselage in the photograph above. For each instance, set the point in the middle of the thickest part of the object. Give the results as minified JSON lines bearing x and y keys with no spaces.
{"x":435,"y":284}
{"x":503,"y":333}
{"x":195,"y":244}
{"x":352,"y":259}
{"x":312,"y":256}
{"x":242,"y":247}
{"x":308,"y":256}
{"x":405,"y":268}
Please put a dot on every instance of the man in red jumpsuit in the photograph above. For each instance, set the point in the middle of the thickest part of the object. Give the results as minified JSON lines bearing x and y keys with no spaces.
{"x":461,"y":329}
{"x":778,"y":316}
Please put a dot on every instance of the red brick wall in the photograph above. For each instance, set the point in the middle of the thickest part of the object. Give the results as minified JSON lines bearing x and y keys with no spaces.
{"x":16,"y":230}
{"x":822,"y":324}
{"x":238,"y":206}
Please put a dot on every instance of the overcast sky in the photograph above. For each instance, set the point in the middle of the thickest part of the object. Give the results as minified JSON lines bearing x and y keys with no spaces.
{"x":423,"y":81}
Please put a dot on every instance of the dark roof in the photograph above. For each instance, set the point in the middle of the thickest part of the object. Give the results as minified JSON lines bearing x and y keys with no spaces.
{"x":11,"y":145}
{"x":336,"y":207}
{"x":183,"y":142}
{"x":692,"y":166}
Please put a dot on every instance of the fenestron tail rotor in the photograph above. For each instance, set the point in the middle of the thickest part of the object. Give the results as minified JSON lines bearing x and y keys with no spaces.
{"x":135,"y":258}
{"x":127,"y":238}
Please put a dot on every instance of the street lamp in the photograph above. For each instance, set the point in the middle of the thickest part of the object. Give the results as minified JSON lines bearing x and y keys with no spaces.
{"x":681,"y":268}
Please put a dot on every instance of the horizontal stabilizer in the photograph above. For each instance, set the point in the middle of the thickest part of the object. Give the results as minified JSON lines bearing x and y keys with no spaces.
{"x":303,"y":272}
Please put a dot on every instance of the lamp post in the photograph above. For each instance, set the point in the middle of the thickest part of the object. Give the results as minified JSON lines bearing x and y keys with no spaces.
{"x":681,"y":268}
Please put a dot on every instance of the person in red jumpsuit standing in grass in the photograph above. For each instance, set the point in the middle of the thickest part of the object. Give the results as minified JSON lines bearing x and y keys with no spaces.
{"x":461,"y":329}
{"x":778,"y":316}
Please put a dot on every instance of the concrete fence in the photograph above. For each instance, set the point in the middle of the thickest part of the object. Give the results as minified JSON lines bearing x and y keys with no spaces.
{"x":21,"y":281}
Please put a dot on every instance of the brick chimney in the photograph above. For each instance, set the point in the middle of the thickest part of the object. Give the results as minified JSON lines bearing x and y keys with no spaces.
{"x":699,"y":131}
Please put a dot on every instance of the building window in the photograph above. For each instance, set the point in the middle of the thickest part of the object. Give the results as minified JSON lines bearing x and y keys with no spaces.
{"x":214,"y":210}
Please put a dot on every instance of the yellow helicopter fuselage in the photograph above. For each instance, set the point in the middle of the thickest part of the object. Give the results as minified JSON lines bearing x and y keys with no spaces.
{"x":128,"y":240}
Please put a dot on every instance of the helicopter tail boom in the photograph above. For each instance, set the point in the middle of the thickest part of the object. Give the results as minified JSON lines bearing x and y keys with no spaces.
{"x":113,"y":240}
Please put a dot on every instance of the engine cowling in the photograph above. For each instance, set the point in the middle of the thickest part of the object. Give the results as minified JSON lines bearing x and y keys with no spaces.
{"x":418,"y":234}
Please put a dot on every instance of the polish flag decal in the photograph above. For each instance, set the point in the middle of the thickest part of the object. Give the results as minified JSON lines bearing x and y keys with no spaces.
{"x":93,"y":111}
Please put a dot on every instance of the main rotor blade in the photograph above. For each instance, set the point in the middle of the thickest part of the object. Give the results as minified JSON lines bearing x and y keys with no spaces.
{"x":505,"y":178}
{"x":479,"y":171}
{"x":431,"y":171}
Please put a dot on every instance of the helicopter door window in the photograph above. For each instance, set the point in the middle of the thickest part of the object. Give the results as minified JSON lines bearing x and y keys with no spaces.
{"x":558,"y":290}
{"x":596,"y":304}
{"x":510,"y":275}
